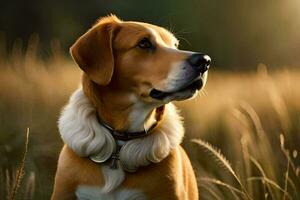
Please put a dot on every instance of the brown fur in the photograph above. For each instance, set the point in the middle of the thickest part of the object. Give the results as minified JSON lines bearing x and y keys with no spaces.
{"x":173,"y":178}
{"x":107,"y":55}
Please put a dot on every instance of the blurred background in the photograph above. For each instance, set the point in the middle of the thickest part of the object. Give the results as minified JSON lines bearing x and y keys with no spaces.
{"x":237,"y":34}
{"x":250,"y":108}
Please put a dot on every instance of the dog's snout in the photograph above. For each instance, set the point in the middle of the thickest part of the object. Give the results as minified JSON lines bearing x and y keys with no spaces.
{"x":199,"y":61}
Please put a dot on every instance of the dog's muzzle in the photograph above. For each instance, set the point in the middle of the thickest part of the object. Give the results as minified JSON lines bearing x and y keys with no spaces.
{"x":200,"y":64}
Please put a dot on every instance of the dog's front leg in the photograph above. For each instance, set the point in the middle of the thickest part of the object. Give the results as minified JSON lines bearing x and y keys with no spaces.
{"x":63,"y":190}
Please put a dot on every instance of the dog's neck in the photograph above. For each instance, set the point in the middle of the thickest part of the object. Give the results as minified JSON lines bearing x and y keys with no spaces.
{"x":81,"y":131}
{"x":119,"y":110}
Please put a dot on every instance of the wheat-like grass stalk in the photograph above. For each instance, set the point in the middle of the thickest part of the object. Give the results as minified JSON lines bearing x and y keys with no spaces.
{"x":211,"y":191}
{"x":272,"y":183}
{"x":290,"y":165}
{"x":223,"y":161}
{"x":293,"y":186}
{"x":20,"y":171}
{"x":286,"y":178}
{"x":286,"y":154}
{"x":246,"y":158}
{"x":232,"y":189}
{"x":259,"y":131}
{"x":259,"y":167}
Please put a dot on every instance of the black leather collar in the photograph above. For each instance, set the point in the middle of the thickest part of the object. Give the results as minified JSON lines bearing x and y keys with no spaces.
{"x":125,"y":136}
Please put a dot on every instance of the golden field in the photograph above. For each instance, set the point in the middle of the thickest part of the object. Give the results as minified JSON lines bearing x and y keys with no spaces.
{"x":251,"y":118}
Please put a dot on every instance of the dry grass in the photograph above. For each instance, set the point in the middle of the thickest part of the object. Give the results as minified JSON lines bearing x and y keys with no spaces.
{"x":252,"y":118}
{"x":16,"y":181}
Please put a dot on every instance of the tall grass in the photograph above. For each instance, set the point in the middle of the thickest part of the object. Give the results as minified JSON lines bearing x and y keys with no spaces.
{"x":16,"y":181}
{"x":245,"y":129}
{"x":32,"y":92}
{"x":254,"y":120}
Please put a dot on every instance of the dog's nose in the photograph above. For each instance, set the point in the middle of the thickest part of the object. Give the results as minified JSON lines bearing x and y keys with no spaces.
{"x":199,"y":61}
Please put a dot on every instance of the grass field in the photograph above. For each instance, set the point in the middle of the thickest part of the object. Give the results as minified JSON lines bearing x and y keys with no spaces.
{"x":253,"y":119}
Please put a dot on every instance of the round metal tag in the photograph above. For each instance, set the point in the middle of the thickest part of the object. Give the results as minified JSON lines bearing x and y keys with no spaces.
{"x":99,"y":159}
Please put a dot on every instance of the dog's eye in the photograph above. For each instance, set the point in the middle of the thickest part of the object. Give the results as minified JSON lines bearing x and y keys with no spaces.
{"x":145,"y":44}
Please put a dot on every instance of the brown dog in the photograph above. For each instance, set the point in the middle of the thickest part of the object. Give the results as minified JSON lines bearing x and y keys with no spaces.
{"x":122,"y":134}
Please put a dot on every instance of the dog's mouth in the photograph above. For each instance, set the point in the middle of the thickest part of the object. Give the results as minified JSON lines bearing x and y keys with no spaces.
{"x":189,"y":88}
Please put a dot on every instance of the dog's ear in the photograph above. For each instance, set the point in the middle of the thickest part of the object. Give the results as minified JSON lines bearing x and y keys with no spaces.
{"x":93,"y":51}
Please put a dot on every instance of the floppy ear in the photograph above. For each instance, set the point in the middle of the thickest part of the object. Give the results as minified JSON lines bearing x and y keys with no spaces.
{"x":93,"y":53}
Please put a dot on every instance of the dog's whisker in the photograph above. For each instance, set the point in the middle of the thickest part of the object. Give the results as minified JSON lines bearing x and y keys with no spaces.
{"x":171,"y":28}
{"x":182,"y":31}
{"x":204,"y":92}
{"x":184,"y":39}
{"x":201,"y":93}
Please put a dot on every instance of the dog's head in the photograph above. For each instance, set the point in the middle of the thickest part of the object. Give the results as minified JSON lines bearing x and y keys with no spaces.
{"x":140,"y":59}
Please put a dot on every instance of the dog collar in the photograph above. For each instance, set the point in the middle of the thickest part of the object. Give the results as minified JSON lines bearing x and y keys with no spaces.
{"x":121,"y":137}
{"x":125,"y":136}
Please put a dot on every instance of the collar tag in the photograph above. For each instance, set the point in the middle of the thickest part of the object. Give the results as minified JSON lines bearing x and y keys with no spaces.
{"x":121,"y":138}
{"x":115,"y":157}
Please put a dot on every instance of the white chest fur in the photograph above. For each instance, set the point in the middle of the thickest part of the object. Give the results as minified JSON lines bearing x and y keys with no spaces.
{"x":80,"y":130}
{"x":95,"y":193}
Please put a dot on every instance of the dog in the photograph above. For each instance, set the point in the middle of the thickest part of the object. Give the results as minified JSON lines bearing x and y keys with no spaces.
{"x":121,"y":132}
